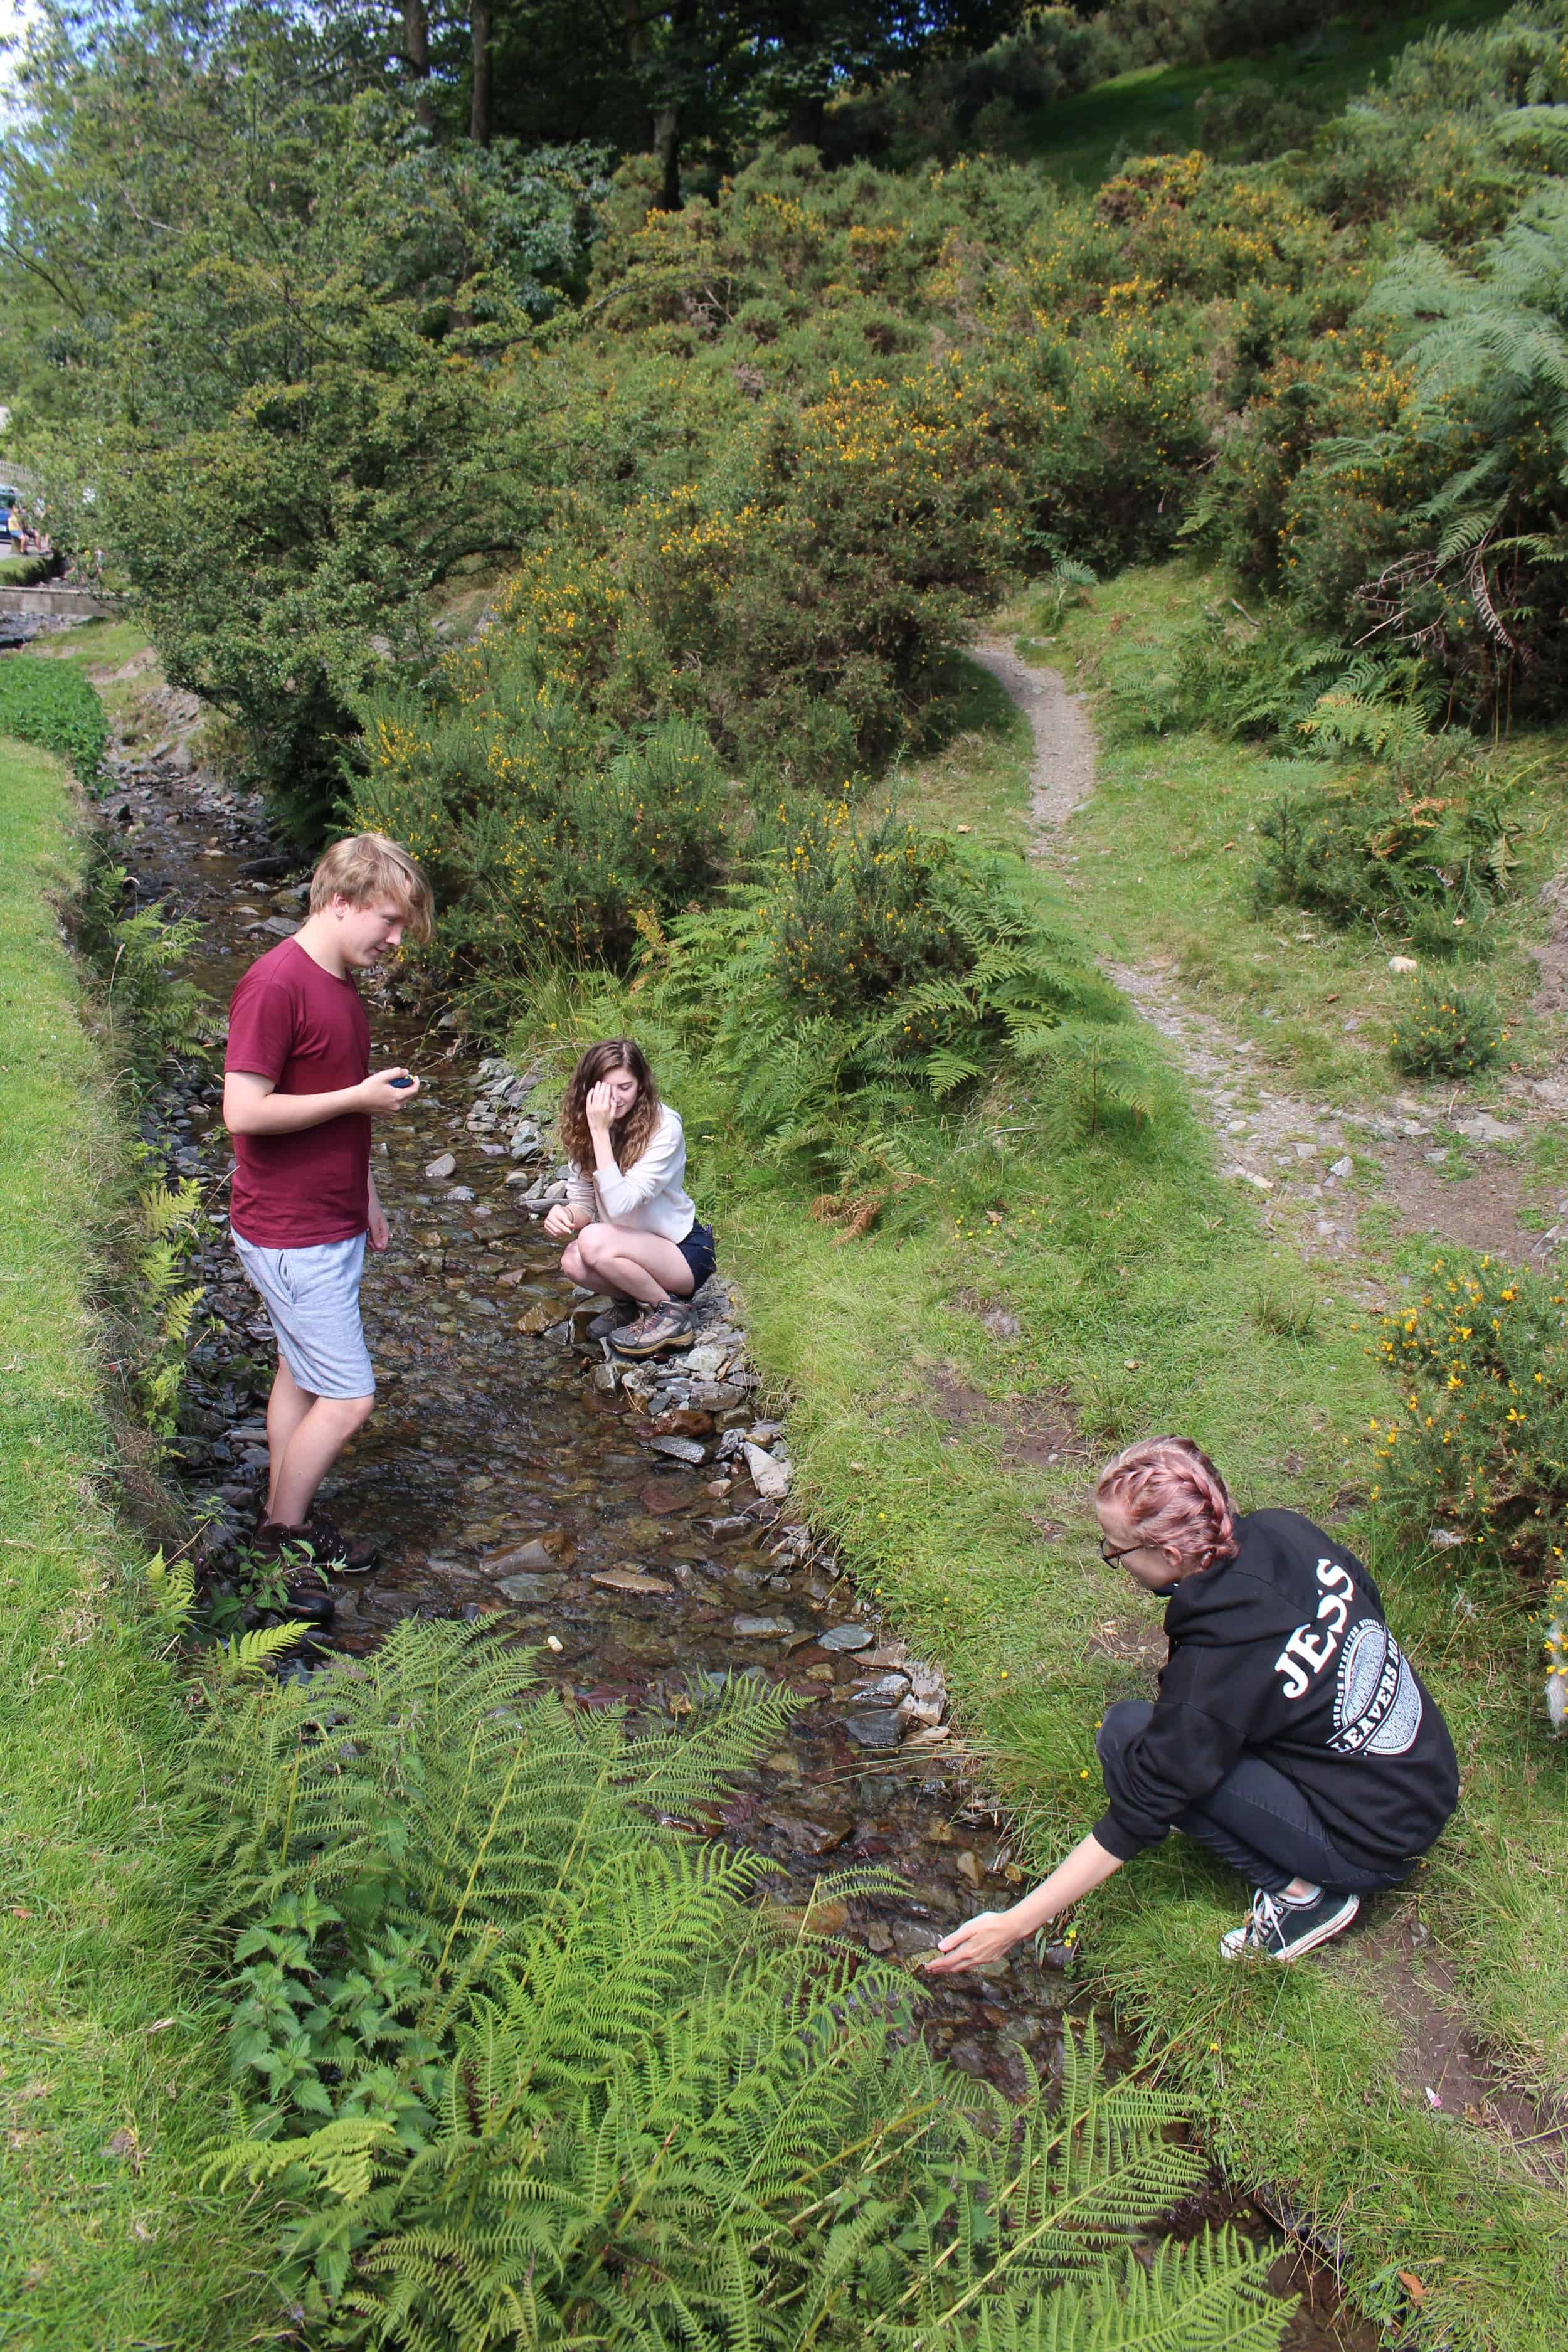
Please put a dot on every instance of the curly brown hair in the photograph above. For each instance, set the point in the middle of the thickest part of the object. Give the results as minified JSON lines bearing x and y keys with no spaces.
{"x":629,"y":1137}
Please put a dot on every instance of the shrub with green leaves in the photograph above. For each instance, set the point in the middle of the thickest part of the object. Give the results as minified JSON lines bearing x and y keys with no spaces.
{"x":1425,"y":847}
{"x":546,"y":830}
{"x":874,"y":967}
{"x":50,"y":703}
{"x":1480,"y":1450}
{"x":1447,"y":1032}
{"x":526,"y":2064}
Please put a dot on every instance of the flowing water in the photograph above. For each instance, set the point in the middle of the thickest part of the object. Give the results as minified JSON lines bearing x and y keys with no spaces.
{"x":494,"y":1458}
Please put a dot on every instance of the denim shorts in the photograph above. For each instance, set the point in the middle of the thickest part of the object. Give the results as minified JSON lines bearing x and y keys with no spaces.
{"x":697,"y":1249}
{"x":313,"y":1297}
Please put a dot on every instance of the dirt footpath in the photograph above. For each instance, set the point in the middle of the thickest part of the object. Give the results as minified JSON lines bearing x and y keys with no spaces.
{"x":1444,"y":1166}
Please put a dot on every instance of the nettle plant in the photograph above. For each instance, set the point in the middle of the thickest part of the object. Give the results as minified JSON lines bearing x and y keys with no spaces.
{"x":525,"y":2063}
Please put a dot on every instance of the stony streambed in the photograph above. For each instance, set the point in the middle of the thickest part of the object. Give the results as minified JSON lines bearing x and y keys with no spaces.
{"x":632,"y":1524}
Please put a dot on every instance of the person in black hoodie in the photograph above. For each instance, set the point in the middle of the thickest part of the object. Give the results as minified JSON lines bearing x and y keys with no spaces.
{"x":1291,"y":1735}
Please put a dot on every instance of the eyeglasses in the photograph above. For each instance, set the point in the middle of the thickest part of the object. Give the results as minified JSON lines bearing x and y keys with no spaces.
{"x":1110,"y":1558}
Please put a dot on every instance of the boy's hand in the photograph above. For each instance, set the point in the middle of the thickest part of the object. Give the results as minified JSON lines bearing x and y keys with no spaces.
{"x":378,"y":1233}
{"x":380,"y":1097}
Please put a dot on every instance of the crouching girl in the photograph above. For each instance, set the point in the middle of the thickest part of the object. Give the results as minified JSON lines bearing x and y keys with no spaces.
{"x":1291,"y":1735}
{"x":626,"y":1220}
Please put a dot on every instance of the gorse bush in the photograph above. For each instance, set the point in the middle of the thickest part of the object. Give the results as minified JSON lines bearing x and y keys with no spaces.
{"x":50,"y":703}
{"x":811,"y":419}
{"x":1447,"y":1033}
{"x":1555,"y":1644}
{"x":544,"y":831}
{"x":528,"y":2066}
{"x":1481,"y":1447}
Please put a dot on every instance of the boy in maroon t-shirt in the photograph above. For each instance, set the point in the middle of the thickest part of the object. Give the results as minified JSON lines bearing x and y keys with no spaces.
{"x":297,"y":1099}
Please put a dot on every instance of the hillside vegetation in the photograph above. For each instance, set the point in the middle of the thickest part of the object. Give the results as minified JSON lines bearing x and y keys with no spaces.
{"x":608,"y":520}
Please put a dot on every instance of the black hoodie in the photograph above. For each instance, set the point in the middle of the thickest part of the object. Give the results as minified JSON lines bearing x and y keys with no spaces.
{"x":1283,"y":1653}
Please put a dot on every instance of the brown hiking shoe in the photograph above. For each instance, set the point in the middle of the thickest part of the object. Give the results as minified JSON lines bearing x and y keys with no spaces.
{"x":616,"y":1317}
{"x":668,"y":1326}
{"x":345,"y":1555}
{"x":302,"y":1585}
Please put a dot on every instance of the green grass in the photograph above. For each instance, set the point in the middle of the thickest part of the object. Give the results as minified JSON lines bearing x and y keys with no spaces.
{"x":111,"y":2057}
{"x":1078,"y":139}
{"x":105,"y":642}
{"x":1147,"y":1298}
{"x":1166,"y":851}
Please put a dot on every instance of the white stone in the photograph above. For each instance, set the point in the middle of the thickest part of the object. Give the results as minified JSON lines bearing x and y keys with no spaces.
{"x":771,"y":1479}
{"x":1402,"y":963}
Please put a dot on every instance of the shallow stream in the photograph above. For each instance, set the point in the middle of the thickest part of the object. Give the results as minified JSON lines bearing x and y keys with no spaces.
{"x":503,"y":1482}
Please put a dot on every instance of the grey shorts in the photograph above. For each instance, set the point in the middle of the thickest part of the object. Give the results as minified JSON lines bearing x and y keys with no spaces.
{"x":313,"y":1297}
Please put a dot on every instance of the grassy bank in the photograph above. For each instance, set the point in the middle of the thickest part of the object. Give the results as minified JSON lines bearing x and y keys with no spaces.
{"x":1156,"y":108}
{"x":110,"y":2060}
{"x":955,"y":1375}
{"x":1164,"y":856}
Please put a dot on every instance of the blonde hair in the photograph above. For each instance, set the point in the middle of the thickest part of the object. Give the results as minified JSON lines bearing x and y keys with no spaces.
{"x":366,"y":865}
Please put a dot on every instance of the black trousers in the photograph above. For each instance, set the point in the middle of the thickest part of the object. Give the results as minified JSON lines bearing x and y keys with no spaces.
{"x":1258,"y":1820}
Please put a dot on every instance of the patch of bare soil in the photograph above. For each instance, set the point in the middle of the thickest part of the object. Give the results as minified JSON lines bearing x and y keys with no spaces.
{"x":994,"y":1313}
{"x":1131,"y":1641}
{"x":1038,"y":1432}
{"x":1439,"y":2060}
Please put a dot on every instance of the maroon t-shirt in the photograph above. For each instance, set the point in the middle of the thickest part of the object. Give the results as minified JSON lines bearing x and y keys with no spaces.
{"x":292,"y":1023}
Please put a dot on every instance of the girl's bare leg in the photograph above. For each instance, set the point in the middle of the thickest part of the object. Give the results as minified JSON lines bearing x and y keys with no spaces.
{"x":641,"y":1265}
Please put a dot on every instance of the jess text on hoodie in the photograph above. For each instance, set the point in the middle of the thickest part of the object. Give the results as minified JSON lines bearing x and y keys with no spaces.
{"x":1283,"y":1653}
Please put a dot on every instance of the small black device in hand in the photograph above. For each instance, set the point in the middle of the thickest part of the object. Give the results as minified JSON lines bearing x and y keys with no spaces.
{"x":400,"y":1082}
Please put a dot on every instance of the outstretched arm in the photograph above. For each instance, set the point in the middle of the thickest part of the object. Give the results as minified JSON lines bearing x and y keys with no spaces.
{"x":252,"y":1105}
{"x":993,"y":1934}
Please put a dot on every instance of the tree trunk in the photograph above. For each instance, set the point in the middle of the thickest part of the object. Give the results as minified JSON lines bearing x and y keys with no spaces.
{"x":667,"y":147}
{"x":482,"y":18}
{"x":416,"y":57}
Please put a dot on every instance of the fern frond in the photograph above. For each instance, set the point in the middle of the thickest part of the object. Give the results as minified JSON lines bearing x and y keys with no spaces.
{"x":245,"y":1655}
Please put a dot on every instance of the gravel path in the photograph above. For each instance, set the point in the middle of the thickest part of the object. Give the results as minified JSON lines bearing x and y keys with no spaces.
{"x":1446,"y":1167}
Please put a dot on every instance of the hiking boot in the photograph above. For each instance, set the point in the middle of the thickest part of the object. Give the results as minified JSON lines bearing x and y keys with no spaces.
{"x":301,"y":1584}
{"x":613,"y":1319}
{"x":1282,"y":1927}
{"x":668,"y":1326}
{"x":344,"y":1555}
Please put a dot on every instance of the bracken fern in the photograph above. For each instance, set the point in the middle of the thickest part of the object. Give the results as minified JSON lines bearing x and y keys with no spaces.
{"x":528,"y":2064}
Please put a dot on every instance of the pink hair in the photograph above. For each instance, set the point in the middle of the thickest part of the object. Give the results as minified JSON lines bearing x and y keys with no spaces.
{"x":1174,"y":1498}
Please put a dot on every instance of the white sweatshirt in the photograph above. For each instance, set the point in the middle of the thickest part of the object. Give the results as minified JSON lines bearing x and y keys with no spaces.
{"x":648,"y":1195}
